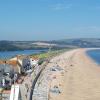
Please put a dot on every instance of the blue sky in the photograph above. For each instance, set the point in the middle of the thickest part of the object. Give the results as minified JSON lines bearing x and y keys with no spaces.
{"x":49,"y":19}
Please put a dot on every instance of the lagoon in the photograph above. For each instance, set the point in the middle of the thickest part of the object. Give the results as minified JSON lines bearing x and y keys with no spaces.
{"x":10,"y":54}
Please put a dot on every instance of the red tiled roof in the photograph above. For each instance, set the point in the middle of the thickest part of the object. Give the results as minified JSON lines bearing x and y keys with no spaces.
{"x":1,"y":62}
{"x":34,"y":58}
{"x":12,"y":62}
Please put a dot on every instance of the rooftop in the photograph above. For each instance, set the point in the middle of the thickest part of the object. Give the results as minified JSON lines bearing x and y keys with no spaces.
{"x":5,"y":67}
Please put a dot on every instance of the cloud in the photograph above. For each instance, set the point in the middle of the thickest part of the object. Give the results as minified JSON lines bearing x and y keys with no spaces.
{"x":61,"y":6}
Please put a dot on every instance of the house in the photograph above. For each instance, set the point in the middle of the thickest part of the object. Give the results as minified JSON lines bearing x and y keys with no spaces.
{"x":34,"y":61}
{"x":15,"y":65}
{"x":7,"y":76}
{"x":1,"y":62}
{"x":27,"y":63}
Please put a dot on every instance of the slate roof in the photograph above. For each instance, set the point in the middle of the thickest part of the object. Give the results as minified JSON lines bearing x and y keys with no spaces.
{"x":5,"y":67}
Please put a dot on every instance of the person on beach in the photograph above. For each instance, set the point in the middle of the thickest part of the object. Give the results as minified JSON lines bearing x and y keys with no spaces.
{"x":26,"y":86}
{"x":26,"y":95}
{"x":27,"y":89}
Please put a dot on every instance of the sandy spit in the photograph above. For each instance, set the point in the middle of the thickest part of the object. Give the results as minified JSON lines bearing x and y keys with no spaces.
{"x":79,"y":80}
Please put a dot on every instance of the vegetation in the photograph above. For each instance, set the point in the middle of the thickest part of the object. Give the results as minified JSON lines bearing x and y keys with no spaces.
{"x":7,"y":46}
{"x":59,"y":44}
{"x":44,"y":56}
{"x":49,"y":54}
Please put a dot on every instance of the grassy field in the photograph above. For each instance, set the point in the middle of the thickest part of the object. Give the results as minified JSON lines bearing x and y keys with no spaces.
{"x":49,"y":54}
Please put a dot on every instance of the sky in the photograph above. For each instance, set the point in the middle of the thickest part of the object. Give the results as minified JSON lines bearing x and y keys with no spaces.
{"x":49,"y":19}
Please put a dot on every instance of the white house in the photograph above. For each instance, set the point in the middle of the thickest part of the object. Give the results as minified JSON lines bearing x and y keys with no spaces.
{"x":34,"y":61}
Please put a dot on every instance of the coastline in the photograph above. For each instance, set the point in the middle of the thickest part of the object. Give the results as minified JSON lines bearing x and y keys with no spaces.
{"x":79,"y":78}
{"x":90,"y":58}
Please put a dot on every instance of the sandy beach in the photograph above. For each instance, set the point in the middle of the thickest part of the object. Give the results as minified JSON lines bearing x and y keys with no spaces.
{"x":79,"y":79}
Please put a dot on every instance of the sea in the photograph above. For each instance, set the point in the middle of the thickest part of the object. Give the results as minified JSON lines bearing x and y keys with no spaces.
{"x":10,"y":54}
{"x":95,"y":55}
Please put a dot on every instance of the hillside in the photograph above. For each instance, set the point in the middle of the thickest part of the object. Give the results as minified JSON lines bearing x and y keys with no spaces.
{"x":54,"y":44}
{"x":82,"y":42}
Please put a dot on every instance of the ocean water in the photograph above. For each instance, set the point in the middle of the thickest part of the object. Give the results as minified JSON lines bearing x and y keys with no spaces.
{"x":95,"y":55}
{"x":10,"y":54}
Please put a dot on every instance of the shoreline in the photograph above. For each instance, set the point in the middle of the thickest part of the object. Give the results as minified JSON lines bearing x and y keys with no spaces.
{"x":78,"y":80}
{"x":90,"y":58}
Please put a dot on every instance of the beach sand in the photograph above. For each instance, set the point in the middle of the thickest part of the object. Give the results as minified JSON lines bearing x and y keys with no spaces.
{"x":79,"y":79}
